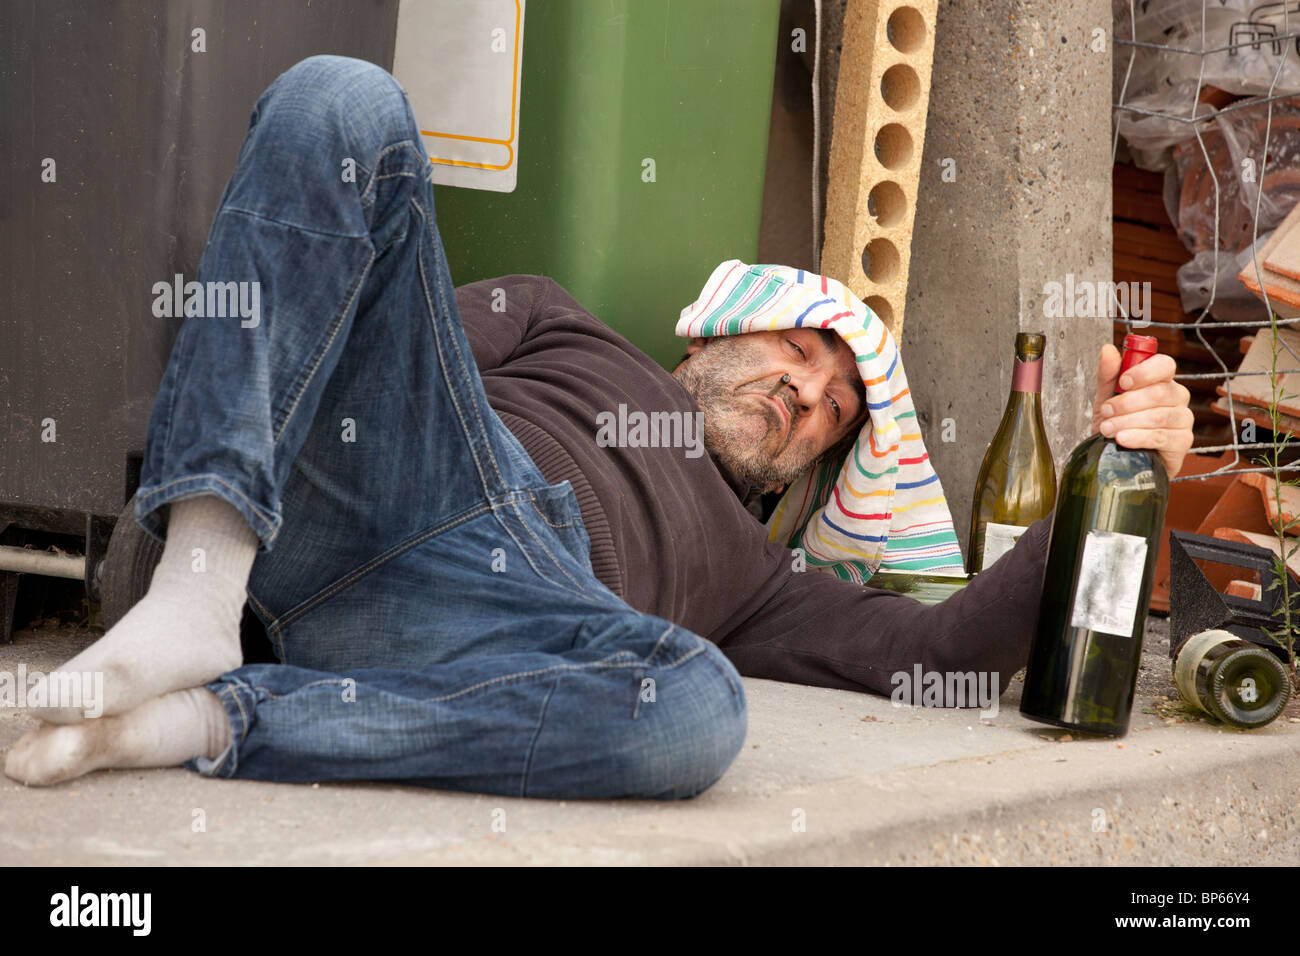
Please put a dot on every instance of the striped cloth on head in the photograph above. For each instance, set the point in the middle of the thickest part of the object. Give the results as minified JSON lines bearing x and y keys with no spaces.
{"x":882,"y":508}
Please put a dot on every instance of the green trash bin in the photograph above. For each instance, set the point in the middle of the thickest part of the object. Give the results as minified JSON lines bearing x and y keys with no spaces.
{"x":642,"y":151}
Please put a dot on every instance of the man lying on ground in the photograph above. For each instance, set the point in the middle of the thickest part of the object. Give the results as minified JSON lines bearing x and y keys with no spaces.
{"x":465,"y":589}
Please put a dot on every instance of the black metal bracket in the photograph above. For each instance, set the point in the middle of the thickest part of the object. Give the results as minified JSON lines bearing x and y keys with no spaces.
{"x":1195,"y":605}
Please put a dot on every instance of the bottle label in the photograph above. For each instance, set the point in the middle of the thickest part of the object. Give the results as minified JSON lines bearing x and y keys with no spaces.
{"x":998,"y":540}
{"x":1110,"y":582}
{"x":1189,"y":659}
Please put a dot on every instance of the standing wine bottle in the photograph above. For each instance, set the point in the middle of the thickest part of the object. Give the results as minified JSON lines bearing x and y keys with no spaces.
{"x":1238,"y":682}
{"x":1017,"y":481}
{"x":1101,"y":559}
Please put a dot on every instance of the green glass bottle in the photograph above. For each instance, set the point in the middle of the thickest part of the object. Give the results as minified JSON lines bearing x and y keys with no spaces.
{"x":1017,"y":480}
{"x":1101,"y":559}
{"x":926,"y":588}
{"x":1238,"y":682}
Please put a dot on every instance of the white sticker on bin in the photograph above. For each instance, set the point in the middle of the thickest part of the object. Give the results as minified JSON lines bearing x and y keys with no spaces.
{"x":460,"y":64}
{"x":1110,"y":582}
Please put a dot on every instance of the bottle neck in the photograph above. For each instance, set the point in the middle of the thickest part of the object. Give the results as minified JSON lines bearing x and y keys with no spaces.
{"x":1188,"y":662}
{"x":1027,"y":377}
{"x":1130,"y":358}
{"x":1023,"y":400}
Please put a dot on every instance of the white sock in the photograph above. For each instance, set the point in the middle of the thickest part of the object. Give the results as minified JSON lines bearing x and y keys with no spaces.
{"x":163,"y":732}
{"x":185,"y":631}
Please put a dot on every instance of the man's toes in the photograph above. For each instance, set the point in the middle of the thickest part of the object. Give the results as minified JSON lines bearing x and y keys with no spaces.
{"x":50,"y":754}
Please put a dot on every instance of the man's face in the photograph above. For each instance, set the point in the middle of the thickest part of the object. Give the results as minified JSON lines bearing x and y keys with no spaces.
{"x":772,"y":441}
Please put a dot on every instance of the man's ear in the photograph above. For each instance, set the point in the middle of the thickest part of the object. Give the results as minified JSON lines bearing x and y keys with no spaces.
{"x":695,"y":344}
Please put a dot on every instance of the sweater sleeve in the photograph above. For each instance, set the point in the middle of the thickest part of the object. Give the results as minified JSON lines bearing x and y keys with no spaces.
{"x":499,"y":314}
{"x":818,"y":629}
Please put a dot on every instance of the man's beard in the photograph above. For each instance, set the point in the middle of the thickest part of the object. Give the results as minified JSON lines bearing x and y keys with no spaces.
{"x":727,"y":379}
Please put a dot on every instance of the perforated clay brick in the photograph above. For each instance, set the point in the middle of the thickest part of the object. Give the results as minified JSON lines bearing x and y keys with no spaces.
{"x":881,"y":99}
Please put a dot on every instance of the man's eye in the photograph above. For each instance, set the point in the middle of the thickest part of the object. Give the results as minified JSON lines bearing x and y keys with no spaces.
{"x":795,"y":347}
{"x":836,"y":406}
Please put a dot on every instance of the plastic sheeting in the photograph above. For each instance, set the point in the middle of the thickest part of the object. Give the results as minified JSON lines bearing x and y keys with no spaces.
{"x":1168,"y":82}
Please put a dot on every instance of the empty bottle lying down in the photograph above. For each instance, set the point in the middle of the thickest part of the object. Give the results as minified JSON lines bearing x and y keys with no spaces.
{"x":1238,"y":682}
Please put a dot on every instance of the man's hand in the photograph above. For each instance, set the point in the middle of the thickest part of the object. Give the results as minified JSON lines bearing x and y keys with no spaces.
{"x":1152,"y":412}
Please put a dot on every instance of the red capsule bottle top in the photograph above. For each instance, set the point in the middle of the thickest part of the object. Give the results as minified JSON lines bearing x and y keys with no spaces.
{"x":1142,"y":343}
{"x":1137,"y":348}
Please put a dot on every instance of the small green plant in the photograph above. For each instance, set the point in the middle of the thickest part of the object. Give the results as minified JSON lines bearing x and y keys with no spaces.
{"x":1288,"y":544}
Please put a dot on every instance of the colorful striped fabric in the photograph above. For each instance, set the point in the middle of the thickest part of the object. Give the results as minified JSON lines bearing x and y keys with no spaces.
{"x":883,"y":506}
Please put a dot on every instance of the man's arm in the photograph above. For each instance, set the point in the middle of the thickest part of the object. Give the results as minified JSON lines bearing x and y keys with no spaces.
{"x":498,"y":315}
{"x":817,"y":629}
{"x":820,"y":630}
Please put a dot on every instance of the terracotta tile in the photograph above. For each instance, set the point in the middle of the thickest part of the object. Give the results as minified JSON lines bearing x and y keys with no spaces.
{"x":1258,"y":389}
{"x":1281,"y":253}
{"x":1245,"y":589}
{"x":1259,"y":416}
{"x":1290,"y":499}
{"x":1189,"y":503}
{"x":1268,"y":541}
{"x":1283,"y":292}
{"x":1239,"y":507}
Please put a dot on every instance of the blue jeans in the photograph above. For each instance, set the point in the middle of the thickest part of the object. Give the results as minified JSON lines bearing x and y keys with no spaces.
{"x":428,"y":593}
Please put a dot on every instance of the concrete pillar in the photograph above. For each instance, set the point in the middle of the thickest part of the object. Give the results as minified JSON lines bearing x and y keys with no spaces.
{"x":1020,"y":105}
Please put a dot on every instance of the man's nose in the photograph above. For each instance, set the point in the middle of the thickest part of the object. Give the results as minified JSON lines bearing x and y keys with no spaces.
{"x":809,"y":386}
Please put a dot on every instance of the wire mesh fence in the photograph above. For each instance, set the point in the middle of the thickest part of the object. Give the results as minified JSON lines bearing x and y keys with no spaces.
{"x":1264,"y":34}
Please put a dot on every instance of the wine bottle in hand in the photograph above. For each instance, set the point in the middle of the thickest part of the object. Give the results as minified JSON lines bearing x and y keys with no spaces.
{"x":1101,"y":558}
{"x":1017,"y":481}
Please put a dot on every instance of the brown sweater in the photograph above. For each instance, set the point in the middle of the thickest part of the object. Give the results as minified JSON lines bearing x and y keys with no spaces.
{"x":671,"y":535}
